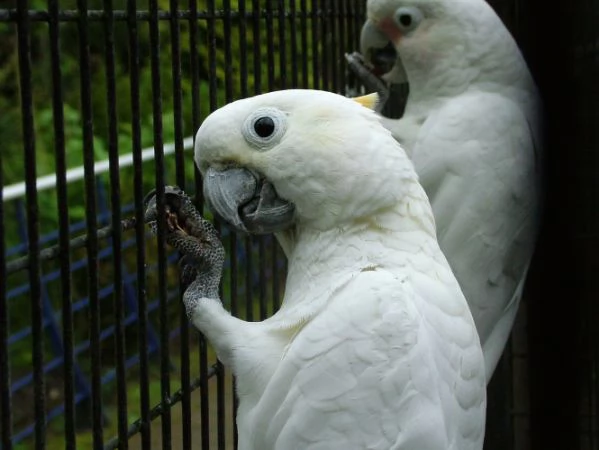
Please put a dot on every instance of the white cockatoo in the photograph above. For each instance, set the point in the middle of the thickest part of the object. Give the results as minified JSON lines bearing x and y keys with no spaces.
{"x":374,"y":345}
{"x":472,"y":129}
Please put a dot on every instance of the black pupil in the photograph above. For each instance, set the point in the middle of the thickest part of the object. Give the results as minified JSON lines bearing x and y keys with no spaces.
{"x":405,"y":20}
{"x":264,"y":126}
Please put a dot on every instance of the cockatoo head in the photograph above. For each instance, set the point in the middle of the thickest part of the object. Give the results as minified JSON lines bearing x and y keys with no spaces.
{"x":293,"y":157}
{"x":425,"y":32}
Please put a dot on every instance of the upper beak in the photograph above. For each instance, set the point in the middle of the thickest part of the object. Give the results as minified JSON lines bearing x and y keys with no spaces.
{"x":247,"y":202}
{"x":377,"y":49}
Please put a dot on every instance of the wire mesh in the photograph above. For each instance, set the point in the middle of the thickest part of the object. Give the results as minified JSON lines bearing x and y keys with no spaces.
{"x":100,"y":292}
{"x":110,"y":350}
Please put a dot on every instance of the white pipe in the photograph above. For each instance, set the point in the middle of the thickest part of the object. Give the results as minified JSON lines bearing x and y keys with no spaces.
{"x":49,"y":181}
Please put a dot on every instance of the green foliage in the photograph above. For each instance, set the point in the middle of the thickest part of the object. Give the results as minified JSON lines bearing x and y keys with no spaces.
{"x":216,"y":84}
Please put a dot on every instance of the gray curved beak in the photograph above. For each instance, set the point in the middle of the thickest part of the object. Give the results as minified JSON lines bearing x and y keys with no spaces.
{"x":249,"y":203}
{"x":377,"y":49}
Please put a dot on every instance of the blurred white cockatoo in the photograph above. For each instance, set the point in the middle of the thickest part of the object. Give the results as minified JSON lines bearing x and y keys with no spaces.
{"x":471,"y":126}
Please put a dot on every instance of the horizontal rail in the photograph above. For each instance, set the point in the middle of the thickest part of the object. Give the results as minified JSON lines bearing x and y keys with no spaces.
{"x":10,"y":15}
{"x":54,"y":251}
{"x":46,"y":182}
{"x":156,"y":412}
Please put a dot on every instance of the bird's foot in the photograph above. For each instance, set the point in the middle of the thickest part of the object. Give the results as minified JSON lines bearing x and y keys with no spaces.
{"x":186,"y":230}
{"x":364,"y":73}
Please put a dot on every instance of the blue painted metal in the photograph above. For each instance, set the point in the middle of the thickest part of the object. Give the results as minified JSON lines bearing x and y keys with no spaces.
{"x":51,"y":322}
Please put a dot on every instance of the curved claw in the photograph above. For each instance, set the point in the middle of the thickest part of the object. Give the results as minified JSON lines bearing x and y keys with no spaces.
{"x":194,"y":237}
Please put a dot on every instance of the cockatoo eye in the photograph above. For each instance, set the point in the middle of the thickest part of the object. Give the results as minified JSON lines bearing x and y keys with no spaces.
{"x":408,"y":18}
{"x":265,"y":127}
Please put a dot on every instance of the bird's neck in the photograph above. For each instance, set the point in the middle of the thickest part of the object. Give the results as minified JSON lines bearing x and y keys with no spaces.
{"x":497,"y":66}
{"x":320,"y":262}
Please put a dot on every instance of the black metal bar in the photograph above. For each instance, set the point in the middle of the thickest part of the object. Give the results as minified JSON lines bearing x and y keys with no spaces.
{"x":262,"y":277}
{"x":115,"y":198}
{"x":140,"y":254}
{"x":315,"y":41}
{"x":212,"y":56}
{"x":335,"y":44}
{"x":270,"y":45}
{"x":249,"y":285}
{"x":304,"y":45}
{"x":158,"y":410}
{"x":243,"y":53}
{"x":10,"y":15}
{"x":283,"y":80}
{"x":162,"y":255}
{"x":325,"y":42}
{"x":293,"y":37}
{"x":342,"y":39}
{"x":195,"y":113}
{"x":5,"y":382}
{"x":282,"y":45}
{"x":185,"y":375}
{"x":228,"y":51}
{"x":54,"y":251}
{"x":256,"y":16}
{"x":63,"y":223}
{"x":351,"y":39}
{"x":91,"y":225}
{"x":204,"y":400}
{"x":33,"y":245}
{"x":247,"y":241}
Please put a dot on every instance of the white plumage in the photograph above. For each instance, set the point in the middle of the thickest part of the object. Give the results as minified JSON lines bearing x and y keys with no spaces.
{"x":472,"y":128}
{"x":374,"y":346}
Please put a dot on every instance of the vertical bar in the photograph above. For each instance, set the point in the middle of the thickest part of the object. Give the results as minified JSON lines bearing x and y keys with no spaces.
{"x":243,"y":60}
{"x":115,"y":200}
{"x":257,"y":47}
{"x":257,"y":70}
{"x":212,"y":55}
{"x":342,"y":40}
{"x":228,"y":51}
{"x":275,"y":275}
{"x":195,"y":113}
{"x":220,"y":399}
{"x":359,"y":18}
{"x":232,"y":236}
{"x":162,"y":254}
{"x":180,"y":177}
{"x":270,"y":45}
{"x":140,"y":254}
{"x":352,"y":34}
{"x":282,"y":45}
{"x":243,"y":69}
{"x":5,"y":397}
{"x":262,"y":277}
{"x":33,"y":246}
{"x":335,"y":44}
{"x":325,"y":43}
{"x":315,"y":38}
{"x":295,"y":63}
{"x":91,"y":224}
{"x":220,"y":419}
{"x":283,"y":83}
{"x":304,"y":45}
{"x":63,"y":223}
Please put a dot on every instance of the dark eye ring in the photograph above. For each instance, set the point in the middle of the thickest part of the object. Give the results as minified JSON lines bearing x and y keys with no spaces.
{"x":264,"y":126}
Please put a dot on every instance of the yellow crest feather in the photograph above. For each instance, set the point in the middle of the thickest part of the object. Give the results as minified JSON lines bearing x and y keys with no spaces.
{"x":369,"y":101}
